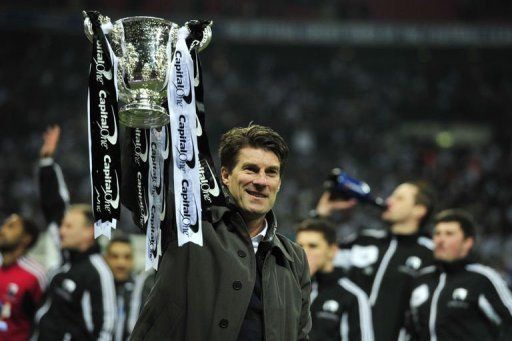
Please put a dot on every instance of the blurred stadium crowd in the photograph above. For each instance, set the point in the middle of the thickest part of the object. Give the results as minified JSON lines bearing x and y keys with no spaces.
{"x":349,"y":107}
{"x":402,"y":10}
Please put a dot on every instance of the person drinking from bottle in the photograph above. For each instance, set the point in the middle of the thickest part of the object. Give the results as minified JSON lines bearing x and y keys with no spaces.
{"x":384,"y":262}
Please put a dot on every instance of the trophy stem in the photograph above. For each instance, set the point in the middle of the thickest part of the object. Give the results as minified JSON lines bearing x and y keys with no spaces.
{"x":143,"y":115}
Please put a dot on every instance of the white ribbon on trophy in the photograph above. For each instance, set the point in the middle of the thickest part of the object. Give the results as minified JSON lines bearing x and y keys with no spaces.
{"x":185,"y":161}
{"x":156,"y":199}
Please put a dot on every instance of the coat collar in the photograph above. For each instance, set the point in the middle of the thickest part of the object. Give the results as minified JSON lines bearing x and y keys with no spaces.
{"x":278,"y":245}
{"x":271,"y":238}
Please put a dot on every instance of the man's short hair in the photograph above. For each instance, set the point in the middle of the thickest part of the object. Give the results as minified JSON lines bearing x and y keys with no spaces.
{"x":425,"y":196}
{"x":119,"y":239}
{"x":464,"y":218}
{"x":30,"y":228}
{"x":254,"y":136}
{"x":319,"y":225}
{"x":86,"y":211}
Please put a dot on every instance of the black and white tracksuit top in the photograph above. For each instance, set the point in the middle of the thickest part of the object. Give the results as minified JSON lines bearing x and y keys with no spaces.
{"x":383,"y":265}
{"x":463,"y":300}
{"x":339,"y":309}
{"x":80,"y":301}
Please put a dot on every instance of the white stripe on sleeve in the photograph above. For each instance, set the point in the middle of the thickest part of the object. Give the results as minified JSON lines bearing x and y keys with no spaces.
{"x":344,"y":327}
{"x":63,"y":188}
{"x":365,"y":313}
{"x":137,"y":299}
{"x":496,"y":280}
{"x":488,"y":310}
{"x":87,"y":311}
{"x":108,"y":296}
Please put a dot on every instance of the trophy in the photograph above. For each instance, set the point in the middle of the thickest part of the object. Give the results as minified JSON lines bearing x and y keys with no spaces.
{"x":144,"y":47}
{"x":144,"y":73}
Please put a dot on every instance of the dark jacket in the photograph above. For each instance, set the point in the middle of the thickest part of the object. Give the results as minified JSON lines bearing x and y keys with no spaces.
{"x":54,"y":199}
{"x":384,"y":265}
{"x":54,"y":195}
{"x":202,"y":293}
{"x":124,"y":294}
{"x":80,"y":302}
{"x":339,"y":309}
{"x":460,"y":301}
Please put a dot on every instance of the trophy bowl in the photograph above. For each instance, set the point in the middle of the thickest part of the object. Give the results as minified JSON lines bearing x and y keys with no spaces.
{"x":144,"y":46}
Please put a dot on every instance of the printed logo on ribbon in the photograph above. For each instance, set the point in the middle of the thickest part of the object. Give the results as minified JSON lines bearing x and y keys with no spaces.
{"x":104,"y":151}
{"x":101,"y":72}
{"x":209,"y":185}
{"x":186,"y":168}
{"x":138,"y":146}
{"x":158,"y":145}
{"x":185,"y":148}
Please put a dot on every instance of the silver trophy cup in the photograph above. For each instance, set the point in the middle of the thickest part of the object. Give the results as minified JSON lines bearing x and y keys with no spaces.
{"x":144,"y":47}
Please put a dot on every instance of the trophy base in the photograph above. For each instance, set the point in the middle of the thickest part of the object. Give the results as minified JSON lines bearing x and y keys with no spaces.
{"x":143,"y":116}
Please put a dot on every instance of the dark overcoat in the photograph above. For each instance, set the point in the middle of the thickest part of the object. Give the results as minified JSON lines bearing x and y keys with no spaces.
{"x":202,"y":293}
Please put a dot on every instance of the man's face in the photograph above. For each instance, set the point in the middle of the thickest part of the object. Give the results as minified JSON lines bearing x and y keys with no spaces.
{"x":254,"y":181}
{"x":12,"y":234}
{"x":119,"y":257}
{"x":75,"y":234}
{"x":450,"y":243}
{"x":319,"y":253}
{"x":402,"y":206}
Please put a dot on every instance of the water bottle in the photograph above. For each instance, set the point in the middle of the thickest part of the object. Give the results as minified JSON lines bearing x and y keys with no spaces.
{"x":343,"y":186}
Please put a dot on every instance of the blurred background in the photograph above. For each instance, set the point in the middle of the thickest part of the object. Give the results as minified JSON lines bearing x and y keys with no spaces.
{"x":389,"y":90}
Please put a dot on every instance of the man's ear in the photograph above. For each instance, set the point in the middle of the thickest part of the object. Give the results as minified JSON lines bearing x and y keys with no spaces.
{"x":224,"y":174}
{"x":89,"y":232}
{"x":420,"y":211}
{"x":332,"y":250}
{"x":468,"y":244}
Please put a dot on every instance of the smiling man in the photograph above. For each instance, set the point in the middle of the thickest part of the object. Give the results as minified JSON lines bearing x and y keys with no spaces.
{"x":247,"y":282}
{"x":458,"y":298}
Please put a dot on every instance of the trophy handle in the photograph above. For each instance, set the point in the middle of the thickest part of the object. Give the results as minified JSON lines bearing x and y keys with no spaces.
{"x":200,"y":33}
{"x":104,"y":20}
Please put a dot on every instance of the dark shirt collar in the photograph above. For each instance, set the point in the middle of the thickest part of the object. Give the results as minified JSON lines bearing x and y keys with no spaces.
{"x":328,"y":278}
{"x":406,"y":238}
{"x":77,"y":256}
{"x":456,"y":265}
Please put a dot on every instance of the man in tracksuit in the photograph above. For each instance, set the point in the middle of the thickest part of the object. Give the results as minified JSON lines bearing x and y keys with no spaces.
{"x":458,"y":298}
{"x":80,"y":302}
{"x":119,"y":257}
{"x":54,"y":201}
{"x":383,"y":263}
{"x":339,"y":308}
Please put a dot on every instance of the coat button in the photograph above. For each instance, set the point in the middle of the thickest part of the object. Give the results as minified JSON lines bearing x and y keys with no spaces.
{"x":223,"y":323}
{"x":237,"y":285}
{"x":241,"y":253}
